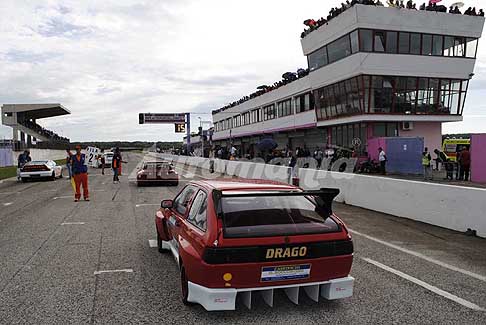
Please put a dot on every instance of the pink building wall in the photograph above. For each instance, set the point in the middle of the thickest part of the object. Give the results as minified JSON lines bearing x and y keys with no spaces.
{"x":430,"y":131}
{"x":478,"y":158}
{"x":373,"y":145}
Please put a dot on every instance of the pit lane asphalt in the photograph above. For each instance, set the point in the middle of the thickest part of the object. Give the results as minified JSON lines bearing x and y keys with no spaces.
{"x":50,"y":248}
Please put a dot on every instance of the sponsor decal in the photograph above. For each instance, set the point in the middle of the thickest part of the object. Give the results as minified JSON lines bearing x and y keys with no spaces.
{"x":273,"y":253}
{"x":285,"y":272}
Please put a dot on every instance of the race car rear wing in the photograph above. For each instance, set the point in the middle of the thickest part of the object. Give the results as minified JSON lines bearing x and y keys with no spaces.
{"x":323,"y":197}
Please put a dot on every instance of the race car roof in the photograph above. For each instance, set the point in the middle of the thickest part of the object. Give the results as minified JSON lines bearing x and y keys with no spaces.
{"x":244,"y":184}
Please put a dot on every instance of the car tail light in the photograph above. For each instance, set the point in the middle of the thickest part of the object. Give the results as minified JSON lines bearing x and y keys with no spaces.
{"x":35,"y":168}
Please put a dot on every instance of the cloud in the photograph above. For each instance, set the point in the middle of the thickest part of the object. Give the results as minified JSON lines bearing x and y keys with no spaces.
{"x":109,"y":60}
{"x":57,"y":27}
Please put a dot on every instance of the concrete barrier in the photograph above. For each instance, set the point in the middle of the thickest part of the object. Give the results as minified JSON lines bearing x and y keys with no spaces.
{"x":452,"y":207}
{"x":277,"y":173}
{"x":220,"y":166}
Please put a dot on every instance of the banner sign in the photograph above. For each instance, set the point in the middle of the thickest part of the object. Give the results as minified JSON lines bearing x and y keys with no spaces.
{"x":161,"y":118}
{"x":92,"y":156}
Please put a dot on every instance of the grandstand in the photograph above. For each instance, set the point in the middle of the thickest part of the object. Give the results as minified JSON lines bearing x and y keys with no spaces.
{"x":22,"y":118}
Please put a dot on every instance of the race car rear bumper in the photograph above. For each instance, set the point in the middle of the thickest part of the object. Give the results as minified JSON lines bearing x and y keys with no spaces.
{"x":38,"y":174}
{"x":225,"y":299}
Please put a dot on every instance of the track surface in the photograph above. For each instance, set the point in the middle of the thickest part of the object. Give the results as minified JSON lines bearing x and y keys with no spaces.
{"x":51,"y":249}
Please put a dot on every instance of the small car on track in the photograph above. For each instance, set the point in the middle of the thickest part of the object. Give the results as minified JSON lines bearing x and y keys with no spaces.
{"x":46,"y":169}
{"x":239,"y":237}
{"x":157,"y":172}
{"x":108,"y":159}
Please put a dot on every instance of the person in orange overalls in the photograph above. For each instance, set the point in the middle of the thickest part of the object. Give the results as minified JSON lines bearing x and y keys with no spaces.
{"x":80,"y":174}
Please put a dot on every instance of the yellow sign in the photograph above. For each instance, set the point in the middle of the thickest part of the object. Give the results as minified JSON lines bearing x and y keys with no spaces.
{"x":180,"y":128}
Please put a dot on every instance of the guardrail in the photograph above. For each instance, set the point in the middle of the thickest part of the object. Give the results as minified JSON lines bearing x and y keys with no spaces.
{"x":453,"y":207}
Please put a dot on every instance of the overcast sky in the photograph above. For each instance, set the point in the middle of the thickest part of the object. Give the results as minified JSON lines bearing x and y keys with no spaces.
{"x":108,"y":60}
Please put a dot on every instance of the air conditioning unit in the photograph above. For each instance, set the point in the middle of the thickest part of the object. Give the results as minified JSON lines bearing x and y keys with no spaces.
{"x":407,"y":126}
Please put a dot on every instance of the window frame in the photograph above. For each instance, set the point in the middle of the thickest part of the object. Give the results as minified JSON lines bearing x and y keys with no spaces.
{"x":189,"y":202}
{"x":203,"y":202}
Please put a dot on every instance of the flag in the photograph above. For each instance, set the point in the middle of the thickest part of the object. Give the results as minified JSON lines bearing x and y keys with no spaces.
{"x":73,"y":185}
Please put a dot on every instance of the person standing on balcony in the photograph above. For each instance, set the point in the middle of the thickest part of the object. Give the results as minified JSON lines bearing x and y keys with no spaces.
{"x":383,"y":159}
{"x":80,"y":171}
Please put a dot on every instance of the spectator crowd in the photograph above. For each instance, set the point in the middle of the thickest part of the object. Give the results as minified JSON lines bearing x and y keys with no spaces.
{"x":432,"y":6}
{"x":287,"y":78}
{"x":43,"y":131}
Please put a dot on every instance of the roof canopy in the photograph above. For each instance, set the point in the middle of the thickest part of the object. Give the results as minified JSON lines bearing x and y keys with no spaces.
{"x":36,"y":111}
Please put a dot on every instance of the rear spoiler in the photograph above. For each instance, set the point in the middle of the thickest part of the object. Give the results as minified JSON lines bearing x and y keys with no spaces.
{"x":324,"y":197}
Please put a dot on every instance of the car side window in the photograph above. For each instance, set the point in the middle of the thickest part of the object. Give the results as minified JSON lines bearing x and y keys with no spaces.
{"x":181,"y":202}
{"x":197,"y":215}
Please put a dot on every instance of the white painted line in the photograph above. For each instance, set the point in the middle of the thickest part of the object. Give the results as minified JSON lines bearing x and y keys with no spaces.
{"x":113,"y":271}
{"x":8,"y":193}
{"x":422,"y":256}
{"x":63,"y":197}
{"x":72,"y":223}
{"x":425,"y":285}
{"x":7,"y":204}
{"x":152,"y":243}
{"x":146,"y":205}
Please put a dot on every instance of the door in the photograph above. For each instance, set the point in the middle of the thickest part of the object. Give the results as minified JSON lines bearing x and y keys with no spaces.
{"x":177,"y":215}
{"x":196,"y":223}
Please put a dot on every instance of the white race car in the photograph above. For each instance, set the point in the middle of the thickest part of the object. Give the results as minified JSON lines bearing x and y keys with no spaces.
{"x":108,"y":159}
{"x":40,"y":169}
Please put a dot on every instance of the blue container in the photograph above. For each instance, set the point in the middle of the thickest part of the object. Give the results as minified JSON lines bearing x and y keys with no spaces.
{"x":404,"y":155}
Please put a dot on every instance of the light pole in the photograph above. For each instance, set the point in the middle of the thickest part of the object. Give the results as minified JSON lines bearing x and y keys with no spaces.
{"x":202,"y":135}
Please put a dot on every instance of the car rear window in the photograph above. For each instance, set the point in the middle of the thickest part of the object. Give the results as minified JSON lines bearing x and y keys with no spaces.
{"x":266,"y":216}
{"x":37,"y":162}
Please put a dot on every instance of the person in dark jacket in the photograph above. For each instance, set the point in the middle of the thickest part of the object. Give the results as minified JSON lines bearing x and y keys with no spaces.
{"x":116,"y":164}
{"x":80,"y":173}
{"x":465,"y":164}
{"x":68,"y":163}
{"x":23,"y":158}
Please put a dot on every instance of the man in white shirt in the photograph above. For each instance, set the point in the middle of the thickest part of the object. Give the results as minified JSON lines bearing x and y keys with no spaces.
{"x":382,"y":158}
{"x":233,"y":152}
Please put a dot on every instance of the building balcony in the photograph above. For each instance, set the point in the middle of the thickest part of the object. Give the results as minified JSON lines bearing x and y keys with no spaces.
{"x":385,"y":18}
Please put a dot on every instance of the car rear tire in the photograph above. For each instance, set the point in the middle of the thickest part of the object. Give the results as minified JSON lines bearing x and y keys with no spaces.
{"x":184,"y":287}
{"x":24,"y":179}
{"x":53,"y":176}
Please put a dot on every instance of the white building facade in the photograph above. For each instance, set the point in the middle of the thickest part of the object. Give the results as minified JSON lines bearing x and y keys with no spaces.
{"x":374,"y":72}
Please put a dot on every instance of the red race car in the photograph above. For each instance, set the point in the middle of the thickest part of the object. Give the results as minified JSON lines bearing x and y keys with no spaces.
{"x":234,"y":238}
{"x":156,"y":172}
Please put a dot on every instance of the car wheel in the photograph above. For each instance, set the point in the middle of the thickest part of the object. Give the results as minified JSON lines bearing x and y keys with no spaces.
{"x":53,"y":177}
{"x":184,"y":286}
{"x":24,"y":179}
